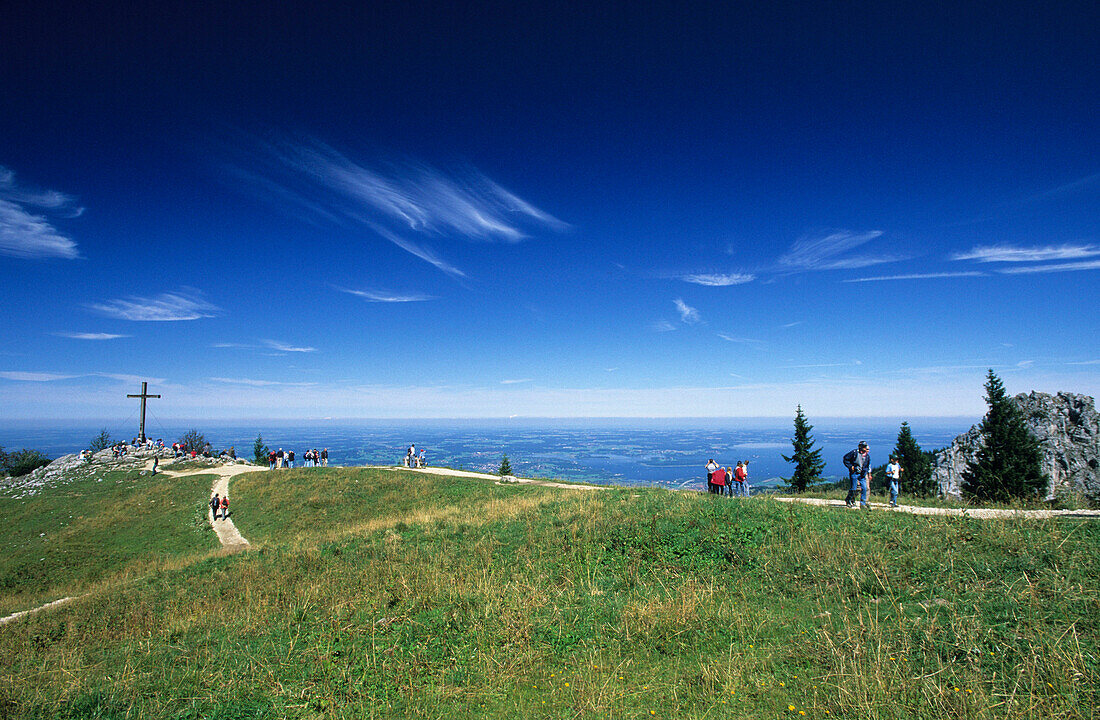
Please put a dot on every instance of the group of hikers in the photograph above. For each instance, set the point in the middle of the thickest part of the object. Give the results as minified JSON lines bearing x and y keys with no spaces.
{"x":858,"y":463}
{"x":311,"y":458}
{"x":728,"y":481}
{"x":412,"y":459}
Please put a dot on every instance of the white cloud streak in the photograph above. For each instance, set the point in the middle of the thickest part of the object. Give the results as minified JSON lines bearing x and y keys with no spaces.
{"x":751,"y":342}
{"x":424,"y":253}
{"x":385,"y":296}
{"x":90,"y":336}
{"x":249,"y":382}
{"x":917,"y":276}
{"x":21,"y":376}
{"x":820,"y":253}
{"x":516,"y":382}
{"x":185,"y":304}
{"x":688,"y":314}
{"x":1057,"y":267}
{"x":284,"y":347}
{"x":1012,"y":254}
{"x":718,"y":279}
{"x":25,"y":234}
{"x":662,"y":326}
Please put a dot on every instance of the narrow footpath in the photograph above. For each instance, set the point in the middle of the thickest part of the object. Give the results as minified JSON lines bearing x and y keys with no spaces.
{"x":228,"y":535}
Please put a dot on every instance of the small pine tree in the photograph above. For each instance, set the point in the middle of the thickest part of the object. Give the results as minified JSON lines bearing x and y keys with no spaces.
{"x":102,"y":441}
{"x":916,"y":471}
{"x":807,"y":461}
{"x":505,"y":466}
{"x":260,"y":450}
{"x":1009,"y":462}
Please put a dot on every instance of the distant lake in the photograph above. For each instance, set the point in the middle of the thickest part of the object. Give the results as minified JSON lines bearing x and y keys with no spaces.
{"x":666,"y":452}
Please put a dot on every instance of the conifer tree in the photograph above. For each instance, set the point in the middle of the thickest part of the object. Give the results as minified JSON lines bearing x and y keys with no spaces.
{"x":1009,"y":463}
{"x":807,"y":461}
{"x":916,"y":471}
{"x":505,"y":466}
{"x":259,"y":450}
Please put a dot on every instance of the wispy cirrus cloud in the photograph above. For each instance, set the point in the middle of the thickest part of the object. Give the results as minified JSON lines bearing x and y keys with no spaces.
{"x":250,"y":382}
{"x":516,"y":382}
{"x":688,"y":314}
{"x":750,"y":342}
{"x":917,"y":276}
{"x":662,"y":326}
{"x":23,"y":376}
{"x":827,"y":252}
{"x":1015,"y":254}
{"x":25,"y":234}
{"x":184,"y":304}
{"x":385,"y":296}
{"x":398,"y":200}
{"x":718,"y":279}
{"x":90,"y":336}
{"x":286,"y":348}
{"x":1055,"y":267}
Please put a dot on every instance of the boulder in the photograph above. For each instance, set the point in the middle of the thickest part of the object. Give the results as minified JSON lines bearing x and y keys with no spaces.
{"x":1068,"y":429}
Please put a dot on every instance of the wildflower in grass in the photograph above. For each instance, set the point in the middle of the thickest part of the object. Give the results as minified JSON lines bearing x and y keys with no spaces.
{"x":782,"y":684}
{"x":801,"y":712}
{"x":567,"y":685}
{"x":790,"y":707}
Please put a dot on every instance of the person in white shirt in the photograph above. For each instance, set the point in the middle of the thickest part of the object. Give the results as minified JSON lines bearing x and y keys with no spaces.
{"x":711,"y":467}
{"x":893,"y":478}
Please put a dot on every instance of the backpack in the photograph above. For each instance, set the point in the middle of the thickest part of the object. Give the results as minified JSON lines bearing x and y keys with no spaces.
{"x":851,"y":460}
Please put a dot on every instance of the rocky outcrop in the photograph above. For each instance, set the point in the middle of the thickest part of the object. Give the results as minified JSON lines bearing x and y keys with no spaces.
{"x":1068,"y":429}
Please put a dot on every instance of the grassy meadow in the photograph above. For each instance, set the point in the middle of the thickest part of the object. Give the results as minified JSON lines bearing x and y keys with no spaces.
{"x":372,"y":593}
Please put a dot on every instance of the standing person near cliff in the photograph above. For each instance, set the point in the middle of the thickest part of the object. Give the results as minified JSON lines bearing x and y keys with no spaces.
{"x":324,"y":458}
{"x":858,"y":462}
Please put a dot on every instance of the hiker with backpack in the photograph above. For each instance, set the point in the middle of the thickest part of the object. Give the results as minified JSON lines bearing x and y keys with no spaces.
{"x":225,"y":508}
{"x":858,"y":462}
{"x":215,"y":503}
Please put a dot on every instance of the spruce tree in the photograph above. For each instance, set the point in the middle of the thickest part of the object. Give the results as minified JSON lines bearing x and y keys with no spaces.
{"x":1009,"y":462}
{"x":505,"y":466}
{"x":916,"y":471}
{"x":807,"y":461}
{"x":259,"y":450}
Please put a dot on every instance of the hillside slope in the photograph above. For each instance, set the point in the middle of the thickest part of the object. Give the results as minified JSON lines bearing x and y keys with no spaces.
{"x":381,"y":593}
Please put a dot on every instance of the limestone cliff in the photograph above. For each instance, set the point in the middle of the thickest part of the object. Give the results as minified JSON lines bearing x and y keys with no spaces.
{"x":1068,"y":429}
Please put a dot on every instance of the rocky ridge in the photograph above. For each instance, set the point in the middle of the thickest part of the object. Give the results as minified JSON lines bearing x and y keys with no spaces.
{"x":69,"y":468}
{"x":1068,"y":428}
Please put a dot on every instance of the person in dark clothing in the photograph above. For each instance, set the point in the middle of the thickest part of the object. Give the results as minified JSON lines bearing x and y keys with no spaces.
{"x":858,"y":462}
{"x":215,"y":503}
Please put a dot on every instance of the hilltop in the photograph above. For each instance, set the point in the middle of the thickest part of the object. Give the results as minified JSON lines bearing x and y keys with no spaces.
{"x":374,"y":592}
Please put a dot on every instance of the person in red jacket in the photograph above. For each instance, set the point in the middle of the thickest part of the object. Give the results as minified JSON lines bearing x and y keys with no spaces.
{"x":718,"y":480}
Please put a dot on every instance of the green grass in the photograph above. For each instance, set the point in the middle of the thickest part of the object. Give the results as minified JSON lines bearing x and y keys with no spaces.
{"x":64,"y":540}
{"x":374,"y":593}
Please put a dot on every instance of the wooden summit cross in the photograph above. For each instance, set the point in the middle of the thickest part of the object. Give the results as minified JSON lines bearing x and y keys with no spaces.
{"x":144,"y":396}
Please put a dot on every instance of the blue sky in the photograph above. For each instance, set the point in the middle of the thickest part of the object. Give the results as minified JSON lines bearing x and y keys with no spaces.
{"x":495,"y":210}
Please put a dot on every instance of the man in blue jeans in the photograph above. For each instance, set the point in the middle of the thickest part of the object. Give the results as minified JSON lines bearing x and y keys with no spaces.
{"x":858,"y":462}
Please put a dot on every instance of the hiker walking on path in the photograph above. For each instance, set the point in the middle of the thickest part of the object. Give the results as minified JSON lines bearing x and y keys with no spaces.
{"x":225,"y":507}
{"x":215,"y":503}
{"x":858,"y":462}
{"x":156,"y":463}
{"x":893,"y":479}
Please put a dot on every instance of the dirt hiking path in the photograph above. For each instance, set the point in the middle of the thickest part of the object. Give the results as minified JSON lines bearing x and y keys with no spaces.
{"x":228,"y":534}
{"x":984,"y":513}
